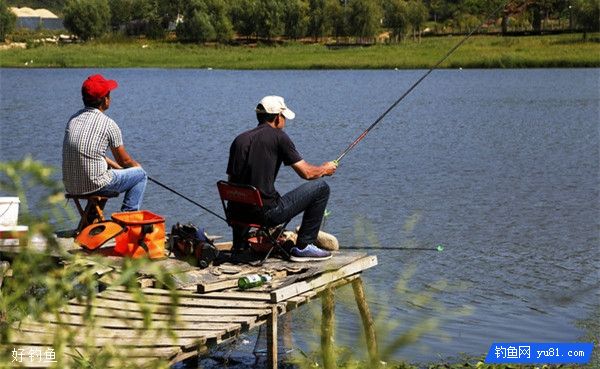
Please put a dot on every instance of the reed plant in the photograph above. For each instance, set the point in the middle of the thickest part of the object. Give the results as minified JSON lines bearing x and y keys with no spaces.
{"x":567,"y":50}
{"x":37,"y":286}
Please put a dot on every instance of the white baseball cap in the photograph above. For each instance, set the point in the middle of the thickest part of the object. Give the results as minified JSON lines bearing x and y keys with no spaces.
{"x":275,"y":105}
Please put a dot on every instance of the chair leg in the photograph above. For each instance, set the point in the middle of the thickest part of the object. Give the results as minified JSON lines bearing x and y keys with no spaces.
{"x":100,"y":204}
{"x":82,"y":217}
{"x":92,"y":213}
{"x":274,"y":239}
{"x":266,"y":256}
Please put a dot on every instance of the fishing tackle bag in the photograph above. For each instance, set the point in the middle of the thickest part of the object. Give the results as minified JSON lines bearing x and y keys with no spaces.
{"x":191,"y":244}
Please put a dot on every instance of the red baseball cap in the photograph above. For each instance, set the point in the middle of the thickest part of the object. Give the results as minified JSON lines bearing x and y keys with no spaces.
{"x":97,"y":86}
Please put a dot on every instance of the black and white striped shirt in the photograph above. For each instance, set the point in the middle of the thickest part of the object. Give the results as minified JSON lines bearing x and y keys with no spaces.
{"x":89,"y":133}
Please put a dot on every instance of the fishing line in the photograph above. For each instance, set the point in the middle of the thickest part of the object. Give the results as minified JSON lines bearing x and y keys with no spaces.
{"x":351,"y":146}
{"x":187,"y":198}
{"x":438,"y":248}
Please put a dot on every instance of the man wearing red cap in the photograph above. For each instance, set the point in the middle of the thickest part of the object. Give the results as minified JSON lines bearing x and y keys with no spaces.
{"x":86,"y":168}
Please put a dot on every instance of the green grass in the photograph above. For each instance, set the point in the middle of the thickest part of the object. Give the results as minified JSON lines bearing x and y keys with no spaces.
{"x":478,"y":52}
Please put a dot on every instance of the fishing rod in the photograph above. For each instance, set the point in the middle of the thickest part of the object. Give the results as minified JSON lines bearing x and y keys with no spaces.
{"x":452,"y":50}
{"x":187,"y":198}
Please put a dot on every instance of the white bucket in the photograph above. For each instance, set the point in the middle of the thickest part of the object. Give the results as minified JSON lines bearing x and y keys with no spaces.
{"x":9,"y":211}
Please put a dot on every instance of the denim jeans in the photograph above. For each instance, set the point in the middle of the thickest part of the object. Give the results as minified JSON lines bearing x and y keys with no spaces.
{"x":132,"y":181}
{"x":310,"y":198}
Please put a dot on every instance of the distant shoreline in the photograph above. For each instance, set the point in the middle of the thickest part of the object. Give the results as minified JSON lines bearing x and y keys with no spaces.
{"x":545,"y":51}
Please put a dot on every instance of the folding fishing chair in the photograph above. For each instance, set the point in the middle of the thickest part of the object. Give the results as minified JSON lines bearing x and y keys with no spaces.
{"x":243,"y":207}
{"x":94,"y":209}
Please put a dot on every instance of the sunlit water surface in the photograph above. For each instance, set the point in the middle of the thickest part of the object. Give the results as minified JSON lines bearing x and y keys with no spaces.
{"x":501,"y":167}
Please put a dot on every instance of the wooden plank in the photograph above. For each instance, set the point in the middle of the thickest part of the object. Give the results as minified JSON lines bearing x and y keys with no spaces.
{"x":215,"y":315}
{"x":187,"y":355}
{"x":156,"y":352}
{"x":224,"y":246}
{"x":139,"y":324}
{"x":117,"y":334}
{"x":141,"y":357}
{"x":211,"y":283}
{"x":304,"y":286}
{"x":152,"y":291}
{"x":311,"y":269}
{"x":216,"y":286}
{"x":240,"y":295}
{"x":182,"y":310}
{"x":187,"y":300}
{"x":296,"y":301}
{"x":127,"y":338}
{"x":30,"y":338}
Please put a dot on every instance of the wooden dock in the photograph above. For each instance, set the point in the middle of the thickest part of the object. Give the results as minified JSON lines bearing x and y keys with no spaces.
{"x":209,"y":307}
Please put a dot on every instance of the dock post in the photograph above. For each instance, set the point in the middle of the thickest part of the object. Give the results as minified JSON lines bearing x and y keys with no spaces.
{"x":272,"y":339}
{"x":367,"y":320}
{"x":327,"y":329}
{"x":288,"y":341}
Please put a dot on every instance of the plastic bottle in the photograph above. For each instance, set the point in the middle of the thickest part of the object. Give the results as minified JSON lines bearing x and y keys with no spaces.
{"x":253,"y":280}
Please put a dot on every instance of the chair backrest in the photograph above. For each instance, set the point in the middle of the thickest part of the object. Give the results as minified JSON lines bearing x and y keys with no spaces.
{"x":242,"y":203}
{"x":243,"y":194}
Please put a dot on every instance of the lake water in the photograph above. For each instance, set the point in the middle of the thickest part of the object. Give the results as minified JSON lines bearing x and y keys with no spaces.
{"x":501,"y":167}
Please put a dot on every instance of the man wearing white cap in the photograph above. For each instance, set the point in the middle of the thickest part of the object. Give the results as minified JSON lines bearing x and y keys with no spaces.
{"x":255,"y":157}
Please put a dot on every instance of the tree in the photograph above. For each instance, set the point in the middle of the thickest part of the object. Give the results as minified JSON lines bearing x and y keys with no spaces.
{"x":7,"y":20}
{"x":295,"y":18}
{"x":417,"y":15}
{"x":270,"y":22}
{"x":243,"y":16}
{"x":87,"y":18}
{"x":441,"y":10}
{"x":205,"y":20}
{"x":364,"y":18}
{"x":120,"y":12}
{"x":336,"y":18}
{"x":587,"y":15}
{"x":316,"y":19}
{"x":154,"y":23}
{"x":139,"y":17}
{"x":170,"y":10}
{"x":465,"y":21}
{"x":395,"y":17}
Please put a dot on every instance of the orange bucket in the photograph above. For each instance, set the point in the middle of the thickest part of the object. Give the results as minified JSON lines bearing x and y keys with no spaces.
{"x":145,"y":235}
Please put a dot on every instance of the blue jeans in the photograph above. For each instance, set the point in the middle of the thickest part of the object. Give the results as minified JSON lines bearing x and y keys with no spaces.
{"x":132,"y":181}
{"x":310,"y":198}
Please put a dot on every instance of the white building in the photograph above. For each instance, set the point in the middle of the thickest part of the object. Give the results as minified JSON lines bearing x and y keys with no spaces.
{"x":36,"y":18}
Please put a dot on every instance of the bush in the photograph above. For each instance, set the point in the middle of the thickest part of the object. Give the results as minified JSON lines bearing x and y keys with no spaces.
{"x":205,"y":20}
{"x":87,"y":18}
{"x":7,"y":20}
{"x":587,"y":14}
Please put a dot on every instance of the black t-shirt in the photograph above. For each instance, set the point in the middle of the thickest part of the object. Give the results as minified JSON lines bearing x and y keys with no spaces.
{"x":255,"y":157}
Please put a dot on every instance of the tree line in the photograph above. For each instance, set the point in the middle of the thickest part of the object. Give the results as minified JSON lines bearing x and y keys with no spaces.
{"x":359,"y":20}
